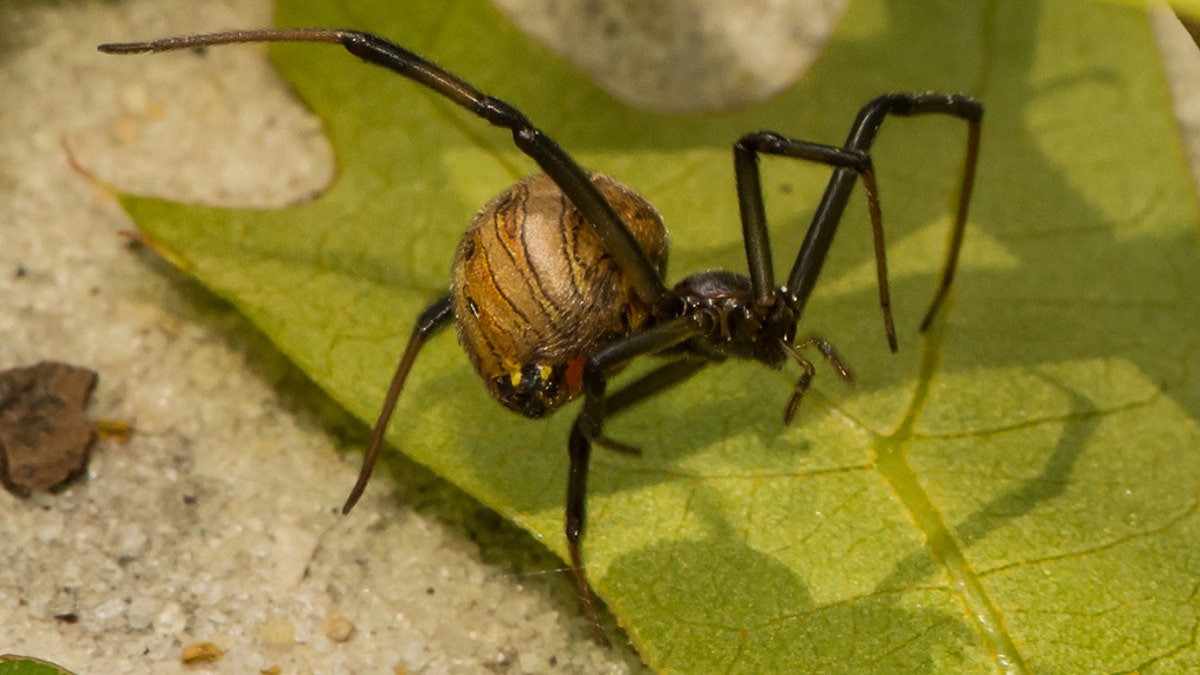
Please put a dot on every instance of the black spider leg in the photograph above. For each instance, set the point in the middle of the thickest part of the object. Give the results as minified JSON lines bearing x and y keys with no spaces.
{"x":750,"y":197}
{"x":758,"y":247}
{"x":431,"y":320}
{"x":803,"y":276}
{"x":587,"y":428}
{"x":658,"y":380}
{"x":654,"y":382}
{"x":618,"y":241}
{"x":809,"y":370}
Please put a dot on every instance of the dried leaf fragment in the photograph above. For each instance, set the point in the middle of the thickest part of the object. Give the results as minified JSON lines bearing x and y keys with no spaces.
{"x":44,"y":436}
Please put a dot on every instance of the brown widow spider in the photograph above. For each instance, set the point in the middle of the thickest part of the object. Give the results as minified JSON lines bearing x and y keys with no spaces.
{"x":558,"y":281}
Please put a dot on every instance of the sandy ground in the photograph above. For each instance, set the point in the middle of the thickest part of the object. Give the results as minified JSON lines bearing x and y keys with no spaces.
{"x":217,"y":521}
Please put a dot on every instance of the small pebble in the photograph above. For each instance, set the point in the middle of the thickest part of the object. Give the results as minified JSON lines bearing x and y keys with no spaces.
{"x":201,"y":652}
{"x":337,"y":627}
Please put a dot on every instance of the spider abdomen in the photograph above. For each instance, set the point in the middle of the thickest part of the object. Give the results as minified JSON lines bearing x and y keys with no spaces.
{"x":534,"y":292}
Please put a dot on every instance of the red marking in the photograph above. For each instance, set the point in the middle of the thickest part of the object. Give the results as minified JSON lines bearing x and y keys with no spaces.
{"x":574,"y":376}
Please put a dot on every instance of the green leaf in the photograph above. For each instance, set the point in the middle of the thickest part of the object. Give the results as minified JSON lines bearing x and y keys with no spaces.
{"x":11,"y":664}
{"x":1015,"y":490}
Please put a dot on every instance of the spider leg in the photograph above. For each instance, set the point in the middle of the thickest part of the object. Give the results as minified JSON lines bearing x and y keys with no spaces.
{"x":618,"y":241}
{"x":827,"y":350}
{"x":660,"y":379}
{"x":829,"y":212}
{"x":429,"y":322}
{"x":587,"y":429}
{"x":750,"y":198}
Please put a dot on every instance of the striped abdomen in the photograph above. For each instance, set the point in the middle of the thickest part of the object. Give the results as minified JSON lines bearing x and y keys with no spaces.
{"x":535,"y":293}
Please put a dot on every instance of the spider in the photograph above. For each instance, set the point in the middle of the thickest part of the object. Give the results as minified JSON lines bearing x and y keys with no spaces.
{"x":558,"y":281}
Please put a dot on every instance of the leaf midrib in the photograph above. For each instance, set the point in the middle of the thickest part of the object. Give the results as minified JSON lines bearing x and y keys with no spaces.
{"x":891,"y":453}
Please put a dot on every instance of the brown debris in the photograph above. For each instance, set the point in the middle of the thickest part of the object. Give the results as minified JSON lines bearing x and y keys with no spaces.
{"x":45,"y":438}
{"x":112,"y":429}
{"x":201,"y":652}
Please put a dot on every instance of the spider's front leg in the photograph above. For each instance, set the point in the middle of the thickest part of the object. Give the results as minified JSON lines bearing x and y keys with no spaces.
{"x":863,"y":132}
{"x":850,"y":162}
